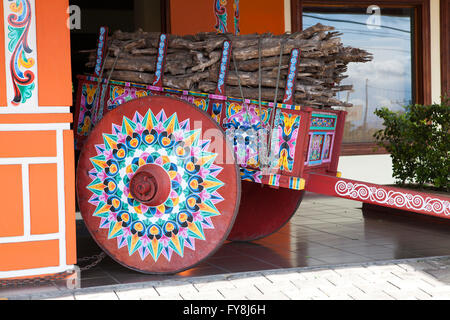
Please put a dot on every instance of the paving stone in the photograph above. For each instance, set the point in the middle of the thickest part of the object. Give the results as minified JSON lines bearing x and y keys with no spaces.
{"x":417,"y":275}
{"x":308,"y":275}
{"x":168,"y":297}
{"x":408,"y":267}
{"x":233,"y":294}
{"x":312,"y":292}
{"x":283,"y":277}
{"x":313,"y":283}
{"x":381,"y":281}
{"x":97,"y":296}
{"x":406,"y":295}
{"x":344,"y":283}
{"x":275,"y":295}
{"x":70,"y":297}
{"x":296,"y":294}
{"x":274,"y":287}
{"x":379,"y":269}
{"x":439,"y":276}
{"x":210,"y":295}
{"x":344,"y":289}
{"x":239,"y":282}
{"x":421,"y":295}
{"x":340,"y":296}
{"x":374,"y":296}
{"x":138,"y":294}
{"x":353,"y":277}
{"x":183,"y":289}
{"x":213,"y":285}
{"x":325,"y":273}
{"x":441,"y":292}
{"x":370,"y":290}
{"x":438,"y":263}
{"x":416,"y":265}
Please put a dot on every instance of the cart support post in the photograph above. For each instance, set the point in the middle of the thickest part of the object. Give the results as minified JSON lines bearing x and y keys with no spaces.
{"x":337,"y":143}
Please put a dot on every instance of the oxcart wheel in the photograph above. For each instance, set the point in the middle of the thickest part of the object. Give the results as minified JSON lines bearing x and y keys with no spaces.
{"x":156,"y":193}
{"x":263,"y":211}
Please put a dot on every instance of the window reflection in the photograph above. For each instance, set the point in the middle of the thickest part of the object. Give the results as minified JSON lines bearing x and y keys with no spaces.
{"x":386,"y":81}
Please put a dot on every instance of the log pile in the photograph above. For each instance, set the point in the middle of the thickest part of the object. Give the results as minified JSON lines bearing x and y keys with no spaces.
{"x":192,"y":63}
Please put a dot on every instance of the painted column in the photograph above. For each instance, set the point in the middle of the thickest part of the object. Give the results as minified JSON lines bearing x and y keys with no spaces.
{"x":37,"y":228}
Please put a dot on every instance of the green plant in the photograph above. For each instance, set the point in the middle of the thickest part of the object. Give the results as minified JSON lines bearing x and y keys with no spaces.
{"x":418,"y":140}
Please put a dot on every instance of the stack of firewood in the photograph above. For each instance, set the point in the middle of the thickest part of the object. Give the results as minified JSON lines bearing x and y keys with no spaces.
{"x":192,"y":63}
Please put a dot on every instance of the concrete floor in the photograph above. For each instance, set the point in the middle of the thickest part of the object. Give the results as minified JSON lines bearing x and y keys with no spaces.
{"x":324,"y":232}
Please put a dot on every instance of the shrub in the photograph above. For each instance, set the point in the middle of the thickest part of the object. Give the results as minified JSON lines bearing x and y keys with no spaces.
{"x":418,"y":140}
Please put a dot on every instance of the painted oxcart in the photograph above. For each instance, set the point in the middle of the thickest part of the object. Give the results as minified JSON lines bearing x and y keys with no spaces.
{"x":165,"y":176}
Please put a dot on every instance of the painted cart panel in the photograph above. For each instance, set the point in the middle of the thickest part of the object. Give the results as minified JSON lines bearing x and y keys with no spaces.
{"x":302,"y":138}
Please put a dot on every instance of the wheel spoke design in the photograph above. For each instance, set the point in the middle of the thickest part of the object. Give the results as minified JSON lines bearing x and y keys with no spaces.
{"x":159,"y":229}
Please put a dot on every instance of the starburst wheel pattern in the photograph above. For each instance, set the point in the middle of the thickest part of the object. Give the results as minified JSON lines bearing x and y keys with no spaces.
{"x":154,"y":187}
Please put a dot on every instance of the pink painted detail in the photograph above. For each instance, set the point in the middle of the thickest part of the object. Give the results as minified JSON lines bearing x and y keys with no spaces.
{"x":328,"y":148}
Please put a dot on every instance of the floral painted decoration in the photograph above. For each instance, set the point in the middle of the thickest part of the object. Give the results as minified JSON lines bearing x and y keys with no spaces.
{"x":191,"y":206}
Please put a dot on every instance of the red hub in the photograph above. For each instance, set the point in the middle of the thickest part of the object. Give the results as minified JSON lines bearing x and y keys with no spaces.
{"x":150,"y":185}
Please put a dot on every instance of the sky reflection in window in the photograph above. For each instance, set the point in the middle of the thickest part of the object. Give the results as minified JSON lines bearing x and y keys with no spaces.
{"x":385,"y":81}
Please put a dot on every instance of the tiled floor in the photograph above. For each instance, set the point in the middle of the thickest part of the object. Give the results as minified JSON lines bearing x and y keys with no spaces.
{"x":324,"y":231}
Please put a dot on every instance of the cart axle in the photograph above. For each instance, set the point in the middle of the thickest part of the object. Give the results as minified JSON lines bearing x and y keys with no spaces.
{"x":150,"y":185}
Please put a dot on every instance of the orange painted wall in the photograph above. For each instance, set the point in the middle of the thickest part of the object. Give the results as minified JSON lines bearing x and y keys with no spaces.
{"x":260,"y":16}
{"x":53,"y":45}
{"x":44,"y":198}
{"x":190,"y":17}
{"x":256,"y":16}
{"x":55,"y":89}
{"x":3,"y":101}
{"x":28,"y":255}
{"x":17,"y":144}
{"x":11,"y":199}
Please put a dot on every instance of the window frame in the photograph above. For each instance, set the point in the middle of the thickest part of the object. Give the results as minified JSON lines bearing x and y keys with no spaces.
{"x":421,"y":56}
{"x":445,"y":47}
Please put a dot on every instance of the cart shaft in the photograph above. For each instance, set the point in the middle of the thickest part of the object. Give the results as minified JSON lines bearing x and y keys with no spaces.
{"x":437,"y":205}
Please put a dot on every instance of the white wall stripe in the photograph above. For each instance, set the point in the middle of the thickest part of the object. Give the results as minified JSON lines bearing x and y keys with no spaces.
{"x":34,"y":110}
{"x":27,"y":161}
{"x":34,"y":126}
{"x":26,"y":200}
{"x":34,"y":272}
{"x":61,"y":198}
{"x":30,"y":238}
{"x":287,"y":16}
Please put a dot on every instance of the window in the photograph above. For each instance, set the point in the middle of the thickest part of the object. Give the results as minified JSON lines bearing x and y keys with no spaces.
{"x":397,"y":34}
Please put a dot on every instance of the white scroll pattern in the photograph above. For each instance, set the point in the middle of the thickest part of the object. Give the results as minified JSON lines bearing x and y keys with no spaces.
{"x":400,"y":200}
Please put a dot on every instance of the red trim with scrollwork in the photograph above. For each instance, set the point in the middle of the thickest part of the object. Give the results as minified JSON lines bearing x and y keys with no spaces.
{"x":392,"y":197}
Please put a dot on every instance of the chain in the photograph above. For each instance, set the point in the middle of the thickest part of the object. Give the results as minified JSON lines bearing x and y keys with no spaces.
{"x":37,"y":281}
{"x":239,"y":85}
{"x":98,"y":117}
{"x":273,"y":119}
{"x":97,"y":259}
{"x":260,"y":83}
